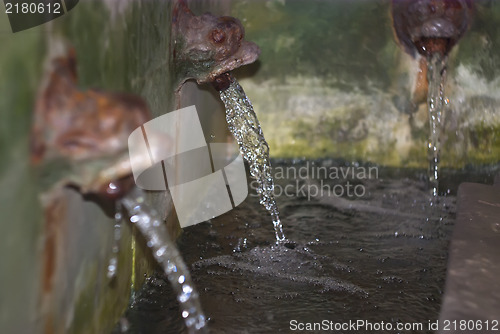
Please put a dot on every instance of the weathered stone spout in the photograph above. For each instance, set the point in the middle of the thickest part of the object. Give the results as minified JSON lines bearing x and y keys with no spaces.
{"x":79,"y":147}
{"x":426,"y":27}
{"x":86,"y":130}
{"x":207,"y":46}
{"x":429,"y":26}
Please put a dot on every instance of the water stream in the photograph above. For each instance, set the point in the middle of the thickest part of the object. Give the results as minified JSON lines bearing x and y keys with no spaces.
{"x":245,"y":127}
{"x":435,"y":102}
{"x":168,"y":257}
{"x":117,"y":234}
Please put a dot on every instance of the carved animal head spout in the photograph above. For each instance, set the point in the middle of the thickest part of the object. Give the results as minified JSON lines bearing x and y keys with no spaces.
{"x":84,"y":130}
{"x":430,"y":26}
{"x":207,"y":46}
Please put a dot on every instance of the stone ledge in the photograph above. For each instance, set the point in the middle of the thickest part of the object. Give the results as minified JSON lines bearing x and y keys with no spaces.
{"x":472,"y":283}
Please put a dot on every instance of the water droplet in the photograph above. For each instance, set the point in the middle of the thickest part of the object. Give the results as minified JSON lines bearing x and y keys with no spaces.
{"x":160,"y":252}
{"x":171,"y":267}
{"x":190,"y":322}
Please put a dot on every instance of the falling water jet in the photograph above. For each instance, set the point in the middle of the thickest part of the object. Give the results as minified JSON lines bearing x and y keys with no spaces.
{"x":245,"y":127}
{"x":168,"y":257}
{"x":435,"y":102}
{"x":117,"y":235}
{"x":207,"y":48}
{"x":431,"y":28}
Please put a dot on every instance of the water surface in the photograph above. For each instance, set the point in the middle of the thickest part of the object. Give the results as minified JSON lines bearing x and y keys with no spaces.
{"x":379,"y":257}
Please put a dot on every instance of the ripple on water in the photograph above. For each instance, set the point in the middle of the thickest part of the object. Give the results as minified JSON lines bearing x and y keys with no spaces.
{"x":381,"y":258}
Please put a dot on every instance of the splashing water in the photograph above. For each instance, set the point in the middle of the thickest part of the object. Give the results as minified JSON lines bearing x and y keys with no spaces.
{"x":167,"y":255}
{"x":245,"y":127}
{"x":435,"y":101}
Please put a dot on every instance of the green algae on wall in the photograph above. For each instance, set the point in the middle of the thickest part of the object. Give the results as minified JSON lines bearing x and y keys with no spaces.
{"x":332,"y":82}
{"x":19,"y":207}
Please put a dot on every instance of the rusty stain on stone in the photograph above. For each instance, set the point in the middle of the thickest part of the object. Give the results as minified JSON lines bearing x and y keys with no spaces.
{"x":207,"y":46}
{"x":54,"y":229}
{"x":54,"y":213}
{"x":421,"y":84}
